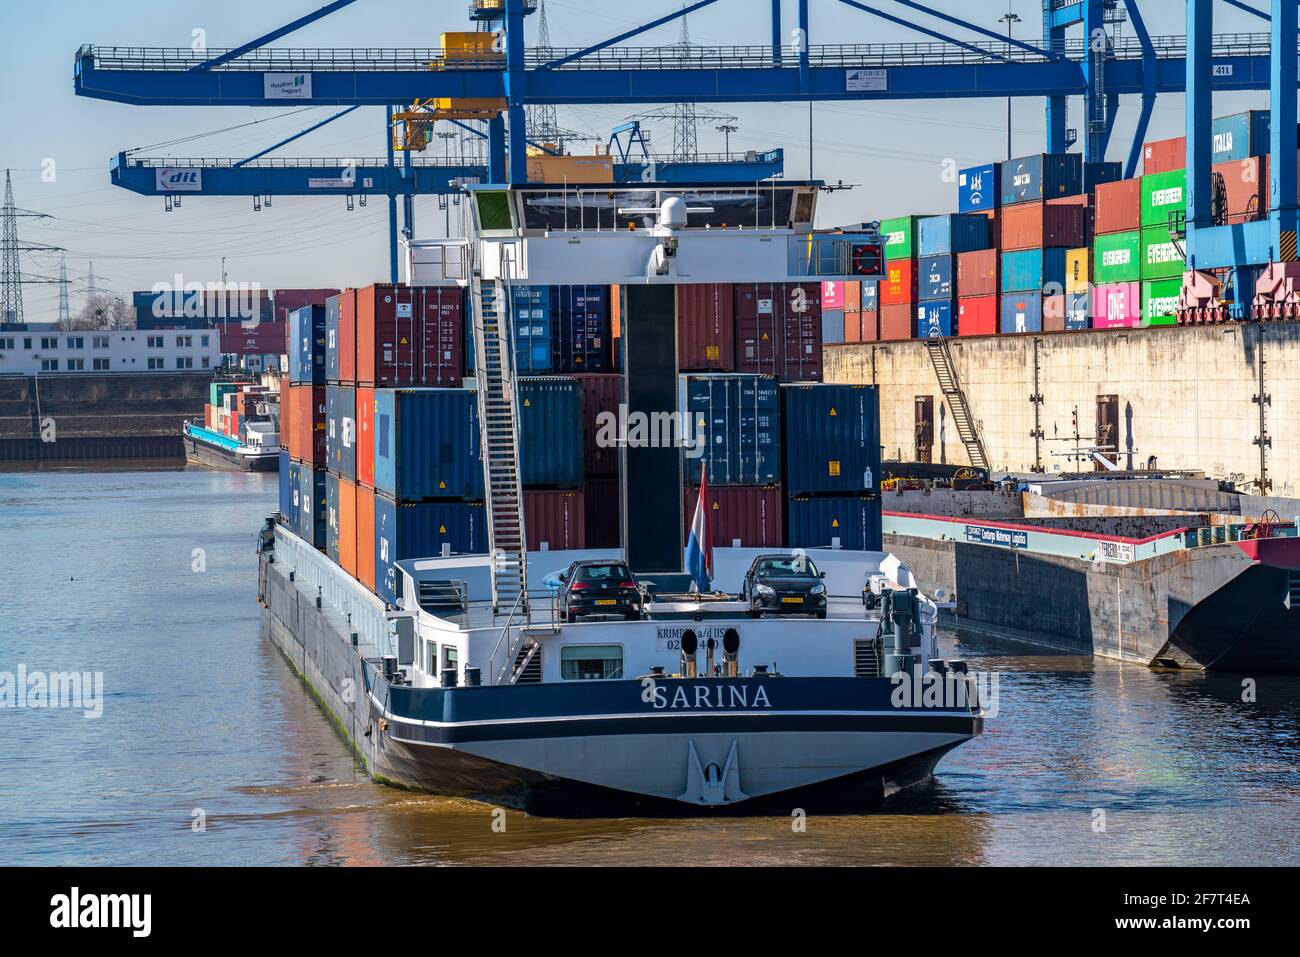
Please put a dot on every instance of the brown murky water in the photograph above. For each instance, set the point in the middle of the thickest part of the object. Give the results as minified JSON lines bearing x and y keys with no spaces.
{"x":1087,"y":761}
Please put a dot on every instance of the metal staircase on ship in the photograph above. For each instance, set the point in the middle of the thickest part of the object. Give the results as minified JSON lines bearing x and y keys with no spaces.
{"x":967,"y":428}
{"x":499,"y":427}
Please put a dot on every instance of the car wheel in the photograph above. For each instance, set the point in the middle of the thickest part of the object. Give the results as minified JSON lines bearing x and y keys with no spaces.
{"x":821,"y":615}
{"x":570,"y":617}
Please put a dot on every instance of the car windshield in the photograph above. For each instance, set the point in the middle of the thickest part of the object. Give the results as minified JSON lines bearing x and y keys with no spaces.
{"x":794,"y":566}
{"x":603,"y":573}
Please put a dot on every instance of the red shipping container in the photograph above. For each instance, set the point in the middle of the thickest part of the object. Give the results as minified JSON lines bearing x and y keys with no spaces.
{"x":346,"y":337}
{"x":897,"y":322}
{"x":602,"y":510}
{"x":750,"y":515}
{"x":601,"y":392}
{"x":1035,"y":225}
{"x":1054,"y":313}
{"x":1119,"y":206}
{"x":210,"y":416}
{"x":366,"y":436}
{"x":307,"y":428}
{"x":977,"y":316}
{"x":255,"y":339}
{"x":899,"y":285}
{"x":285,"y":301}
{"x":977,"y":273}
{"x":1162,"y":156}
{"x":852,"y":297}
{"x":555,"y":520}
{"x":410,"y":336}
{"x":871,"y":325}
{"x":1246,"y":184}
{"x":779,"y":330}
{"x":706,"y":327}
{"x":853,"y":326}
{"x":234,"y":425}
{"x":366,"y":536}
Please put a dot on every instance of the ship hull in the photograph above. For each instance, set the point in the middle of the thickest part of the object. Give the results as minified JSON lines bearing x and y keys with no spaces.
{"x":198,"y":452}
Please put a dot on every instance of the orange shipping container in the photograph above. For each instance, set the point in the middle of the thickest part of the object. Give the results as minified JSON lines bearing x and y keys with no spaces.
{"x":1246,"y":184}
{"x":977,"y":273}
{"x":897,"y":322}
{"x":871,"y":325}
{"x":366,"y":537}
{"x":852,"y":326}
{"x":899,"y":285}
{"x":1035,"y":225}
{"x":1054,"y":313}
{"x":1119,"y":206}
{"x":1163,"y":156}
{"x":977,"y":316}
{"x":852,"y":297}
{"x":348,"y":526}
{"x":365,"y":424}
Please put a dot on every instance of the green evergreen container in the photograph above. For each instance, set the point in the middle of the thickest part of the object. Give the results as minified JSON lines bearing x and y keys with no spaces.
{"x":1161,"y":258}
{"x":1117,"y":257}
{"x":1160,"y":302}
{"x":1162,"y":195}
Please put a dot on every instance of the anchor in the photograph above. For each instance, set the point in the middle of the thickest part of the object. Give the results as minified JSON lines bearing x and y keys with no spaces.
{"x":712,"y":784}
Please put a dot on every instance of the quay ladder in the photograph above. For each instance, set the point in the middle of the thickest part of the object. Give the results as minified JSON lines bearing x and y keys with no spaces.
{"x":967,"y":429}
{"x":499,"y":427}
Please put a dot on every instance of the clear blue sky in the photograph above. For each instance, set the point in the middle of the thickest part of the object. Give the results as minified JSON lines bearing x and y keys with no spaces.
{"x":893,"y":149}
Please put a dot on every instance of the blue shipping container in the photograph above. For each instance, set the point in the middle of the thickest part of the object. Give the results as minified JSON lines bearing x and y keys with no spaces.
{"x":1094,"y":174}
{"x":332,"y":339}
{"x":1042,"y":176}
{"x":419,"y":530}
{"x":332,"y":518}
{"x":852,"y":522}
{"x":1033,"y":269}
{"x":952,"y":234}
{"x":531,"y":313}
{"x":736,"y":418}
{"x":1022,"y":312}
{"x":550,"y":431}
{"x":311,"y":506}
{"x":427,"y":444}
{"x":580,"y":329}
{"x":870,"y":295}
{"x":286,"y":491}
{"x":1078,"y":311}
{"x":341,"y":430}
{"x":979,"y":188}
{"x":936,"y":278}
{"x":307,"y":345}
{"x":1240,"y":136}
{"x":936,"y":319}
{"x":831,"y":439}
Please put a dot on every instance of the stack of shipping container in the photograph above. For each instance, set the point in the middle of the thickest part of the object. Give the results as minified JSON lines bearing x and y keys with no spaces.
{"x":897,"y":292}
{"x":302,"y":427}
{"x":942,"y":244}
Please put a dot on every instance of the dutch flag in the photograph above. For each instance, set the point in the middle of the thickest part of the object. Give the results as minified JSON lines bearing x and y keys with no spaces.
{"x":699,"y":550}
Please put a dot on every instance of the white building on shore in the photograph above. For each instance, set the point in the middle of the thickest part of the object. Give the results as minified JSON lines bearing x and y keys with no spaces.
{"x":50,"y":352}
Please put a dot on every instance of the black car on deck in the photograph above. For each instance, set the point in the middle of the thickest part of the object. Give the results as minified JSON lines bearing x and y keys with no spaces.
{"x":599,"y":588}
{"x":784,"y":585}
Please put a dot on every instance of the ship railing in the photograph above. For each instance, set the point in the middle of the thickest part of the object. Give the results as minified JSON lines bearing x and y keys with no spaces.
{"x":512,"y":644}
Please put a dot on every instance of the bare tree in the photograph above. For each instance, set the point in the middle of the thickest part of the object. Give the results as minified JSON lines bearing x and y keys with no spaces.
{"x":105,"y":311}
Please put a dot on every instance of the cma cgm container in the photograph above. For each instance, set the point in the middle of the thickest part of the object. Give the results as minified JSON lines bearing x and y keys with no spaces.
{"x":936,"y":319}
{"x":555,"y":520}
{"x":307,"y":345}
{"x":1162,"y":156}
{"x":580,"y":329}
{"x":830,"y":438}
{"x":1160,"y":302}
{"x":1022,"y":312}
{"x":1240,"y":136}
{"x":897,"y":322}
{"x":365,"y":572}
{"x":736,"y":418}
{"x":1031,"y":179}
{"x":898,"y":288}
{"x":779,"y":330}
{"x":427,"y":444}
{"x":951,"y":234}
{"x":601,"y":395}
{"x":366,"y":436}
{"x":977,"y":273}
{"x":307,"y":424}
{"x":900,"y":235}
{"x":743,"y":516}
{"x":550,"y":431}
{"x":1117,"y":306}
{"x":341,"y":430}
{"x":420,"y":530}
{"x":979,"y":188}
{"x":849,"y":522}
{"x":1161,"y":257}
{"x":410,"y":337}
{"x":531,"y":311}
{"x":341,"y":338}
{"x":1163,"y":195}
{"x":977,"y":316}
{"x":1117,"y":257}
{"x":1118,"y":206}
{"x":1034,"y":224}
{"x":706,"y":327}
{"x":1033,"y":269}
{"x":312,"y":515}
{"x":935,"y":280}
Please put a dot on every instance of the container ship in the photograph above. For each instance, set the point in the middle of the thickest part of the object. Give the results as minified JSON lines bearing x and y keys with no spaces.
{"x":240,"y":429}
{"x":430,"y":516}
